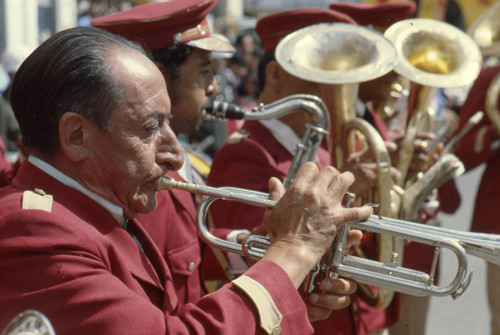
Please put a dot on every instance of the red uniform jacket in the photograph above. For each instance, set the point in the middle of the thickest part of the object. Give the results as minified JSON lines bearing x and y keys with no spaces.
{"x":87,"y":274}
{"x":172,"y":226}
{"x":250,"y":163}
{"x":475,"y":148}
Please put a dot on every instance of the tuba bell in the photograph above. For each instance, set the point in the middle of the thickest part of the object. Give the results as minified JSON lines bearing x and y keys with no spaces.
{"x":485,"y":30}
{"x":431,"y":54}
{"x":341,"y":56}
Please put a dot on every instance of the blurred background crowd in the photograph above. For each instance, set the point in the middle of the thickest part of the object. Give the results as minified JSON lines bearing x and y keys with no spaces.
{"x":27,"y":23}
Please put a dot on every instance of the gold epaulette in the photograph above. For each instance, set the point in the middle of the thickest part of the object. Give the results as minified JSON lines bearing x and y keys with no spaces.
{"x":269,"y":314}
{"x":37,"y":199}
{"x":237,"y":136}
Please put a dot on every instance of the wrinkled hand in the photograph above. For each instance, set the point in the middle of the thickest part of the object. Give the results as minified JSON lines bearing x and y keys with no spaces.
{"x":304,"y":222}
{"x":334,"y":292}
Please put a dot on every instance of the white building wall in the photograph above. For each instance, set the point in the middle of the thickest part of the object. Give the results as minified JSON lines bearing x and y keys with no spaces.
{"x":30,"y":22}
{"x":20,"y":23}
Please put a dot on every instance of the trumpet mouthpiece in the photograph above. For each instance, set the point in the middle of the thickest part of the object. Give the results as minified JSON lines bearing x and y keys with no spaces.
{"x":169,"y":183}
{"x":165,"y":183}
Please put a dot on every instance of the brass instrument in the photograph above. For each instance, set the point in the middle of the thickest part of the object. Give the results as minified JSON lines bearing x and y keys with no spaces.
{"x":431,"y":54}
{"x":312,"y":138}
{"x":341,"y":56}
{"x":492,"y":103}
{"x":399,"y":90}
{"x":29,"y":322}
{"x":485,"y":30}
{"x":448,"y":166}
{"x":385,"y":274}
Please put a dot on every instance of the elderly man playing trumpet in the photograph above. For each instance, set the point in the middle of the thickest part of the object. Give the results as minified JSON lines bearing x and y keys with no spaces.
{"x":98,"y":139}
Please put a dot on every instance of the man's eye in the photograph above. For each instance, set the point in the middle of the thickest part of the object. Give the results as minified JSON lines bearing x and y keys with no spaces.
{"x":151,"y":129}
{"x":156,"y":126}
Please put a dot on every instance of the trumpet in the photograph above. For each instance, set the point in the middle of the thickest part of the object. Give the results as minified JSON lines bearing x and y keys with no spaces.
{"x":386,"y":274}
{"x":341,"y":56}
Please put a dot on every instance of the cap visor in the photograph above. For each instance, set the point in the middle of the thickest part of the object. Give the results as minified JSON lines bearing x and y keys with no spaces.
{"x":212,"y":43}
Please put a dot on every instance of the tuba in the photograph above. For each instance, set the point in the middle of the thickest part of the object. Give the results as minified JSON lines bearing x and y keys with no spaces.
{"x":341,"y":56}
{"x":485,"y":30}
{"x":431,"y":54}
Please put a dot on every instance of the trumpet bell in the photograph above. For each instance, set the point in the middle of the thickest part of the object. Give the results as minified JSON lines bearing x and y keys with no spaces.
{"x":336,"y":53}
{"x":433,"y":53}
{"x":485,"y":30}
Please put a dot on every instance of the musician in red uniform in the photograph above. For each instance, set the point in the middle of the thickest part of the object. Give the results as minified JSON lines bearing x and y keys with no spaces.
{"x":376,"y":93}
{"x":182,"y":51}
{"x":178,"y":36}
{"x":265,"y":148}
{"x":481,"y":145}
{"x":70,"y":245}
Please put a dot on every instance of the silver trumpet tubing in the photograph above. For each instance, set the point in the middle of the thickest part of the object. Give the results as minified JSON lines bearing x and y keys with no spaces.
{"x":384,"y":274}
{"x":312,"y":138}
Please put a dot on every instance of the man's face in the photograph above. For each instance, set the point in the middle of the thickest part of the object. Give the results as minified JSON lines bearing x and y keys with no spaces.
{"x":377,"y":90}
{"x":295,"y":85}
{"x":126,"y":161}
{"x":190,"y":92}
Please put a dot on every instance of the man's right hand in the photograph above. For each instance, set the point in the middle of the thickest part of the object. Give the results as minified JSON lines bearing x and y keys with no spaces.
{"x":304,"y":222}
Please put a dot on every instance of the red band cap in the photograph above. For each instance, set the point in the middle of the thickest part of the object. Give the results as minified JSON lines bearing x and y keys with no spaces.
{"x":161,"y":24}
{"x":273,"y":27}
{"x":381,"y":16}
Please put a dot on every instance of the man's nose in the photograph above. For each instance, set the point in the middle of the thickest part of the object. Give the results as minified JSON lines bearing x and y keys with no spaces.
{"x":213,"y":87}
{"x":170,"y":154}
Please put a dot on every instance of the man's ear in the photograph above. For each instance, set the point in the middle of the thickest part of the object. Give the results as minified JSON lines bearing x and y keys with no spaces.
{"x":274,"y":76}
{"x":73,"y":134}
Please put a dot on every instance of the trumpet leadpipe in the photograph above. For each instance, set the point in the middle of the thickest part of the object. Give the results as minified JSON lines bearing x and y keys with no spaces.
{"x":226,"y":193}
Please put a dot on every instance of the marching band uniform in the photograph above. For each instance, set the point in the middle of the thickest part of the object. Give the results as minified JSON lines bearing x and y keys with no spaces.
{"x":481,"y":145}
{"x":263,"y":149}
{"x":172,"y":226}
{"x":80,"y":256}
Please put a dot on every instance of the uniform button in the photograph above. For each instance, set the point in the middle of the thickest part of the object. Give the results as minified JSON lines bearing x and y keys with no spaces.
{"x":191,"y":266}
{"x":276,"y":330}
